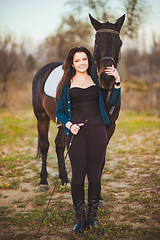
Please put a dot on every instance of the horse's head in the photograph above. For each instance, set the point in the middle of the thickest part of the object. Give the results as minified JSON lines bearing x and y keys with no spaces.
{"x":107,"y":48}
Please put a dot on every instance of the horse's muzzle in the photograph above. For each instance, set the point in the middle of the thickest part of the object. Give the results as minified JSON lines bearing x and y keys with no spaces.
{"x":106,"y":81}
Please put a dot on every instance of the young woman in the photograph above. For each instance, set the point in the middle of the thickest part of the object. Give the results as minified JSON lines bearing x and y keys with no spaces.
{"x":81,"y":109}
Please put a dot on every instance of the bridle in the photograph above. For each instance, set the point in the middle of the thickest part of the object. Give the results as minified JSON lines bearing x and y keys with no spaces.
{"x":107,"y":57}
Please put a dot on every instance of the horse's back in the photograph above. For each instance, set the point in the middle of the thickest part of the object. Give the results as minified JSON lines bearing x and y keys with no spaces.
{"x":43,"y":104}
{"x":42,"y":74}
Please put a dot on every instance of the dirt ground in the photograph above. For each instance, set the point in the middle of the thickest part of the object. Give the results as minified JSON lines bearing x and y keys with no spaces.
{"x":130,"y":183}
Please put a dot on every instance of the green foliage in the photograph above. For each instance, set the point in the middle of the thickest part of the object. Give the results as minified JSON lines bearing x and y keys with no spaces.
{"x":136,"y":122}
{"x":12,"y":184}
{"x":12,"y":127}
{"x":40,"y":200}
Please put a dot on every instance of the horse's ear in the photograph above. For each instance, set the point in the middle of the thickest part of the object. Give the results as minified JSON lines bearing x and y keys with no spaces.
{"x":119,"y":23}
{"x":95,"y":23}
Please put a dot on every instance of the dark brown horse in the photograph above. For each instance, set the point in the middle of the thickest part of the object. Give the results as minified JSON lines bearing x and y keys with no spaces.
{"x":106,"y":53}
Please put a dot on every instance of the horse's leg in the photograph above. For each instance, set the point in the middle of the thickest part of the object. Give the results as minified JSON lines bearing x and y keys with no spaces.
{"x":43,"y":145}
{"x":110,"y":130}
{"x":111,"y":127}
{"x":60,"y":147}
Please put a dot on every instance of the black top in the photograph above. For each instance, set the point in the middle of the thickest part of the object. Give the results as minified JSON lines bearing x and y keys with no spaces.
{"x":85,"y":102}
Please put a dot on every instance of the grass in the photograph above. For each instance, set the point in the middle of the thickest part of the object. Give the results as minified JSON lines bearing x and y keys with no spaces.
{"x":12,"y":184}
{"x":40,"y":200}
{"x":130,"y":182}
{"x":135,"y":122}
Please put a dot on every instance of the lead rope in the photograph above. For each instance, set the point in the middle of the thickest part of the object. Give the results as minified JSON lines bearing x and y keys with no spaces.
{"x":107,"y":101}
{"x":38,"y":234}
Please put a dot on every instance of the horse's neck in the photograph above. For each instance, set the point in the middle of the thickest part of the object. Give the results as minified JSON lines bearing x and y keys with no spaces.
{"x":94,"y":70}
{"x":94,"y":67}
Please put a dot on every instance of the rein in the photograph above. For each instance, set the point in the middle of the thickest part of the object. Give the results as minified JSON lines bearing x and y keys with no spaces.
{"x":107,"y":57}
{"x":38,"y":234}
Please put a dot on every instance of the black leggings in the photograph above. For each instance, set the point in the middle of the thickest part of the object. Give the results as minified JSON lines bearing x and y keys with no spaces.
{"x":88,"y":150}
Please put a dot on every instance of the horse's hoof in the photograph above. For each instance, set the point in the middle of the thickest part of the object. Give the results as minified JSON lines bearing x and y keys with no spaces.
{"x":43,"y":187}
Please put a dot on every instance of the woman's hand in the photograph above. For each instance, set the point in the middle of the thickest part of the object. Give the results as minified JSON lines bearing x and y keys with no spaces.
{"x":113,"y":72}
{"x":74,"y":128}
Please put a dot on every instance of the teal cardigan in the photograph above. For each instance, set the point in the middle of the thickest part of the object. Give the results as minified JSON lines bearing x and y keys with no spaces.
{"x":63,"y":111}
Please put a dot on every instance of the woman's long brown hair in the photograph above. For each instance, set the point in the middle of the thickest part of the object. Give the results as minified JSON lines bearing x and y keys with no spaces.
{"x":69,"y":71}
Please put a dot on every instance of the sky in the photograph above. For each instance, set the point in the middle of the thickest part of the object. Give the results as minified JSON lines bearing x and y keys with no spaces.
{"x":36,"y":19}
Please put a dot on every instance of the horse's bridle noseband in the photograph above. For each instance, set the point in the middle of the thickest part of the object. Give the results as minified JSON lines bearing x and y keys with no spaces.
{"x":107,"y":57}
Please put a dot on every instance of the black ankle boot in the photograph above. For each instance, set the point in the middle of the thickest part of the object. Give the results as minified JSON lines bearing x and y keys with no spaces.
{"x":94,"y":190}
{"x":77,"y":190}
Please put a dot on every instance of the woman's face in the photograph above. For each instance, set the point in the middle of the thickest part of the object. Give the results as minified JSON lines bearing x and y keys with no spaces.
{"x":80,"y":62}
